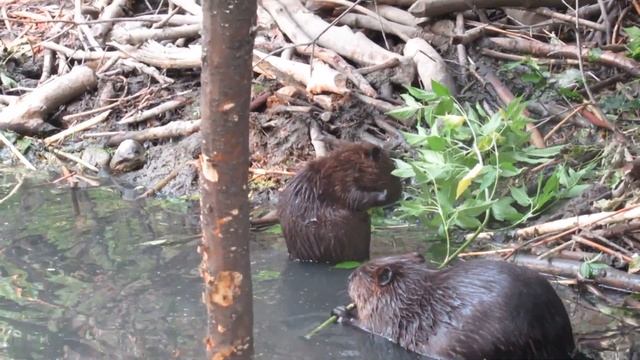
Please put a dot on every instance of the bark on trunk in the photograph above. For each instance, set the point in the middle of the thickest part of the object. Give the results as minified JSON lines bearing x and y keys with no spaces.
{"x":226,"y":84}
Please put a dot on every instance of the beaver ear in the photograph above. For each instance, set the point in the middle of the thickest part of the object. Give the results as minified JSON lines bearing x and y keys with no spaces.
{"x":384,"y":276}
{"x":375,"y":153}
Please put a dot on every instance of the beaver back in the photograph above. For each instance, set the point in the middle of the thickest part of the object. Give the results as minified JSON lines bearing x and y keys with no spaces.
{"x":475,"y":309}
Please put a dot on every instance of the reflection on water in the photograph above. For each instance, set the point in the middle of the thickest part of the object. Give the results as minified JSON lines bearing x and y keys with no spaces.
{"x":85,"y":275}
{"x":75,"y":282}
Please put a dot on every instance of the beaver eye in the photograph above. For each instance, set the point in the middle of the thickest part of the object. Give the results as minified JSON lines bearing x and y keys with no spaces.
{"x":385,"y":276}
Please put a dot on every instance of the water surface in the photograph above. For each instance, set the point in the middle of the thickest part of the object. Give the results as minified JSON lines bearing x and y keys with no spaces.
{"x":86,"y":275}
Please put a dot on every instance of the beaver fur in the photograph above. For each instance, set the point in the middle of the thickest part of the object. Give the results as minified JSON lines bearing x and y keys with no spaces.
{"x":323,"y":208}
{"x":479,"y":309}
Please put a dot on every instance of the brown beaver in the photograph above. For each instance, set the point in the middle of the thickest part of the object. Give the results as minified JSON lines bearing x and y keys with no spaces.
{"x":479,"y":309}
{"x":323,"y":209}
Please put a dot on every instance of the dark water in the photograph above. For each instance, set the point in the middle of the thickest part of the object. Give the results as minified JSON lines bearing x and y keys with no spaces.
{"x":85,"y":275}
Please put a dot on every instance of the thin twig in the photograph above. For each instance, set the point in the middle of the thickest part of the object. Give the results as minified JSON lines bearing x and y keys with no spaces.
{"x":13,"y":191}
{"x":605,"y":17}
{"x":16,"y":152}
{"x":77,"y":23}
{"x":579,"y":53}
{"x":556,"y":249}
{"x":78,"y":127}
{"x":602,"y":248}
{"x":74,"y":159}
{"x":384,"y":35}
{"x":487,"y":252}
{"x":565,"y":119}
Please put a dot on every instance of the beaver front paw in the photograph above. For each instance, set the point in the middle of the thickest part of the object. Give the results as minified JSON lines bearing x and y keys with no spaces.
{"x":344,"y":314}
{"x":382,"y":196}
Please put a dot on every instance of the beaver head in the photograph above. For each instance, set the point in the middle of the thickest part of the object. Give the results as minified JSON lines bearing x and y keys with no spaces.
{"x":363,"y":167}
{"x":384,"y":288}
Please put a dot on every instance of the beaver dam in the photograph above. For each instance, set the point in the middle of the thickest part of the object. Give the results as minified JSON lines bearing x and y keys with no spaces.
{"x":512,"y":130}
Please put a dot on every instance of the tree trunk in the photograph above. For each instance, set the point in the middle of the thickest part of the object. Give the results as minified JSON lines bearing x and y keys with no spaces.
{"x":226,"y":84}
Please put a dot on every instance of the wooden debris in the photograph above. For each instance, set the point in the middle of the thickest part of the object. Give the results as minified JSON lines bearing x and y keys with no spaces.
{"x":154,"y":111}
{"x":543,"y":49}
{"x":27,"y":115}
{"x":430,"y":64}
{"x":172,"y":129}
{"x":321,"y":79}
{"x":77,"y":128}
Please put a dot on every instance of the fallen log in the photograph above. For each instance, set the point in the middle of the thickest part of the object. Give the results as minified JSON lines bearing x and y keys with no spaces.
{"x":172,"y":129}
{"x":321,"y":79}
{"x":433,"y":8}
{"x":567,"y":51}
{"x":288,"y":14}
{"x":27,"y":115}
{"x":570,"y":269}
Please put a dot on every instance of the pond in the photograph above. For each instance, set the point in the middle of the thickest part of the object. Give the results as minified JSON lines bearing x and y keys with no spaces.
{"x":86,"y":275}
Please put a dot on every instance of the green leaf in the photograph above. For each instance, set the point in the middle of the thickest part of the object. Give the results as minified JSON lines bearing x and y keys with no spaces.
{"x":544,"y":152}
{"x":264,"y":275}
{"x":452,"y":121}
{"x":633,"y":44}
{"x":494,"y":123}
{"x":7,"y":80}
{"x":467,"y":222}
{"x":440,"y":89}
{"x":507,"y":169}
{"x":576,"y":190}
{"x":548,"y":191}
{"x":590,"y":270}
{"x":437,"y":143}
{"x":415,"y":139}
{"x":520,"y":196}
{"x":503,"y":211}
{"x":512,"y":65}
{"x":568,"y":78}
{"x":444,"y":107}
{"x":432,"y":157}
{"x":403,"y":113}
{"x":347,"y":265}
{"x":634,"y":264}
{"x":23,"y":144}
{"x":274,"y":229}
{"x":421,"y":94}
{"x":403,"y":169}
{"x":594,"y":54}
{"x":532,"y":78}
{"x":413,"y":208}
{"x":488,"y":178}
{"x":570,"y":94}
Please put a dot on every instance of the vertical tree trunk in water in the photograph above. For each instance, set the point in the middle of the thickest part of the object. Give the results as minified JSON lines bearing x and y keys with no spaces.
{"x":226,"y":85}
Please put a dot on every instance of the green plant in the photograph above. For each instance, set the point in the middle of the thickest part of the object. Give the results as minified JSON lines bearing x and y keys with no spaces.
{"x":6,"y":54}
{"x":592,"y":268}
{"x":467,"y":164}
{"x":633,"y":44}
{"x":536,"y":76}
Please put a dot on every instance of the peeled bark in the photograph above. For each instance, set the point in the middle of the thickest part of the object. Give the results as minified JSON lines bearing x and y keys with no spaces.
{"x":226,"y":85}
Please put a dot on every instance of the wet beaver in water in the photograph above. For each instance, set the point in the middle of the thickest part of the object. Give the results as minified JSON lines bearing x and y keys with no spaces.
{"x":323,"y":209}
{"x":479,"y":309}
